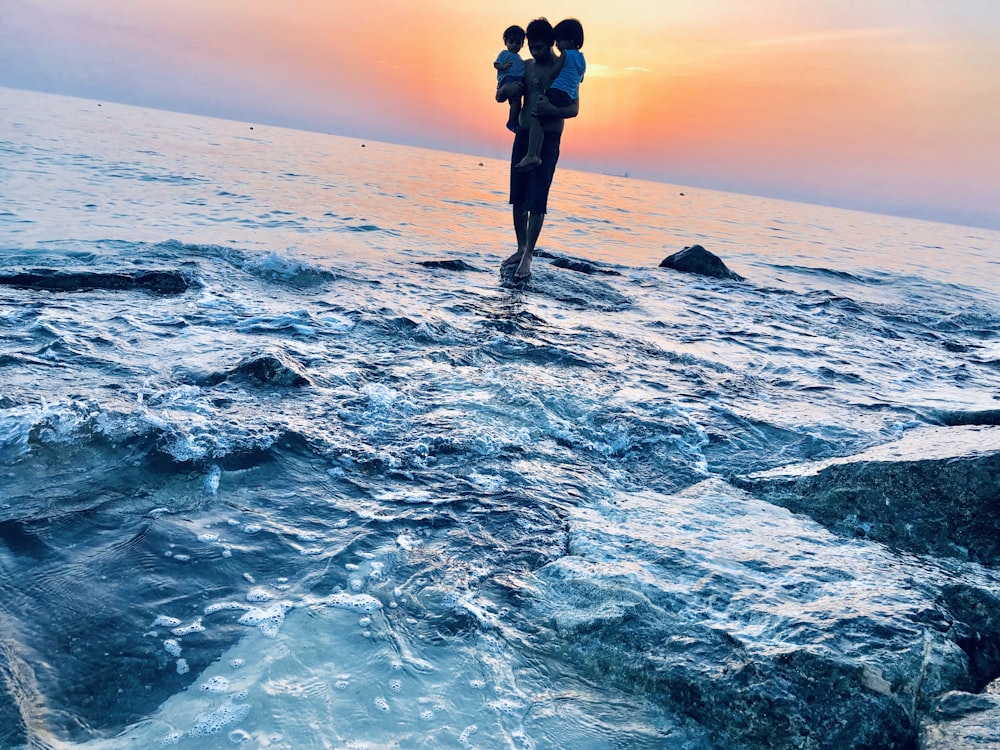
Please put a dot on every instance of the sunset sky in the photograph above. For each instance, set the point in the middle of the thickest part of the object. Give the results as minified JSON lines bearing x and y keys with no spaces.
{"x":891,"y":106}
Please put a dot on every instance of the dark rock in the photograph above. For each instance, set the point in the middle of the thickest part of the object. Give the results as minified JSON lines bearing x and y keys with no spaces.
{"x":158,"y":282}
{"x":579,"y":291}
{"x":963,"y":720}
{"x":955,"y":704}
{"x":755,"y":624}
{"x":450,"y":264}
{"x":265,"y":369}
{"x":936,"y":491}
{"x":696,"y":259}
{"x":583,"y":267}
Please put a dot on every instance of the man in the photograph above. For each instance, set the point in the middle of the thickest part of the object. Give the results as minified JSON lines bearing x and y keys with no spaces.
{"x":529,"y":189}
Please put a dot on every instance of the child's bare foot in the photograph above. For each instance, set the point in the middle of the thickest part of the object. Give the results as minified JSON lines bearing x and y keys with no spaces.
{"x":528,"y":162}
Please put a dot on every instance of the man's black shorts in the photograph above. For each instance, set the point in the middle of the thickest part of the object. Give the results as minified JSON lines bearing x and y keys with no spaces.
{"x":531,"y":188}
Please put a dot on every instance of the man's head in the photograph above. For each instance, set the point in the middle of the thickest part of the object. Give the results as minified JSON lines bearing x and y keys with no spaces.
{"x":540,"y":39}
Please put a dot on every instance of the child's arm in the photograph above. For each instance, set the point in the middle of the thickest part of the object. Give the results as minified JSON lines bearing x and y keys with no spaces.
{"x":545,"y":108}
{"x":502,"y":66}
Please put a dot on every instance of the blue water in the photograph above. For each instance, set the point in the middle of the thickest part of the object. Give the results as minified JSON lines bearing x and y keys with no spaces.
{"x":331,"y":496}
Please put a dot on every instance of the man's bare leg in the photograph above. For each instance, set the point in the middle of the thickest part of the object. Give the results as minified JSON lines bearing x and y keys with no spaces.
{"x":520,"y":219}
{"x":534,"y":228}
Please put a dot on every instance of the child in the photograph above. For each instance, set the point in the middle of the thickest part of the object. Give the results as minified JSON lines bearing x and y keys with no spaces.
{"x":564,"y":88}
{"x":510,"y":74}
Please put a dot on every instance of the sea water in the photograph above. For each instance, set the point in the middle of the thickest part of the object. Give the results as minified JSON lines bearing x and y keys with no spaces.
{"x":334,"y":494}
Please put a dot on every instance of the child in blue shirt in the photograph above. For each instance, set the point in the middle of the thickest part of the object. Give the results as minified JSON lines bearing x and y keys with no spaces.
{"x":510,"y":74}
{"x":565,"y":87}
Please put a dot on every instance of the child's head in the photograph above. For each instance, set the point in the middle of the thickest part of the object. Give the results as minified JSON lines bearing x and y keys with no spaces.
{"x":569,"y":34}
{"x":513,"y":37}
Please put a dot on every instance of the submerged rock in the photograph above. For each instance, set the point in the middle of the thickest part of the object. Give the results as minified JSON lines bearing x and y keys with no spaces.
{"x":158,"y":282}
{"x":696,"y":259}
{"x":581,"y":266}
{"x":754,"y":623}
{"x":963,"y":720}
{"x":936,"y":491}
{"x":581,"y":291}
{"x":450,"y":264}
{"x":264,"y":369}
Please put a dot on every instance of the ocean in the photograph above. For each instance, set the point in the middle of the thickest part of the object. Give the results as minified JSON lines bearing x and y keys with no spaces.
{"x":287,"y":464}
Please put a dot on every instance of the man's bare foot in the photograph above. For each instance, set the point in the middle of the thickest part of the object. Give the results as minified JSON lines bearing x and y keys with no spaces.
{"x":512,"y":125}
{"x":528,"y":162}
{"x":523,"y":270}
{"x":515,"y":258}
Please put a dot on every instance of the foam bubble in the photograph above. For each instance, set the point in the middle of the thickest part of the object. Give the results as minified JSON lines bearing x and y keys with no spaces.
{"x":221,"y":606}
{"x":252,"y":528}
{"x":194,"y":627}
{"x":259,"y":594}
{"x":182,"y":666}
{"x":172,"y":647}
{"x":225,"y":715}
{"x":215,"y":685}
{"x":359,"y":602}
{"x":208,"y":537}
{"x":267,"y":620}
{"x":382,"y":704}
{"x":181,"y":558}
{"x":357,"y":584}
{"x":237,"y":663}
{"x":341,"y":684}
{"x":395,"y":685}
{"x":477,"y":684}
{"x":167,"y":622}
{"x":466,"y":733}
{"x":171,"y":739}
{"x":427,"y":714}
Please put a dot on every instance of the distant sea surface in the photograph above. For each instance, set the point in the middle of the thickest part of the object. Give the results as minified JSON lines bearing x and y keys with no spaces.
{"x":286,"y":464}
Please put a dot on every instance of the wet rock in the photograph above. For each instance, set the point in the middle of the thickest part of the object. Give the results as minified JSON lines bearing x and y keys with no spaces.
{"x":264,"y":369}
{"x":963,"y":720}
{"x":156,"y":282}
{"x":580,"y":291}
{"x":696,"y":259}
{"x":935,"y":491}
{"x":752,"y":622}
{"x":450,"y":264}
{"x":581,"y":266}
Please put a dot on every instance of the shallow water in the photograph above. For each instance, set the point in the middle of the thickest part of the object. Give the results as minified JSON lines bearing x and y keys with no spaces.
{"x":331,"y":497}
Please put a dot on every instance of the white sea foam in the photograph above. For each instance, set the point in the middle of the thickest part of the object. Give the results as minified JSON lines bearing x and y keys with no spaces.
{"x":267,"y":620}
{"x":223,"y":716}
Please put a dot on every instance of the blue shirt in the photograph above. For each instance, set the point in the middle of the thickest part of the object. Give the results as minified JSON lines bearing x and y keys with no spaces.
{"x":516,"y":70}
{"x":568,"y":80}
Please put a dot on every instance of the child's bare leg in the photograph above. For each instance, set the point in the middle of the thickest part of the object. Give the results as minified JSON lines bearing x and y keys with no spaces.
{"x":535,"y":137}
{"x":515,"y":114}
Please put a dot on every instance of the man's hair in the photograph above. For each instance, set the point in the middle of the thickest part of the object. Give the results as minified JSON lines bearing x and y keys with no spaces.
{"x":540,"y":30}
{"x":570,"y":29}
{"x":513,"y":33}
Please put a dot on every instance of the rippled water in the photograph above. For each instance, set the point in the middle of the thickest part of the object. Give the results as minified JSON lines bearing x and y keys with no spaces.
{"x":334,"y":496}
